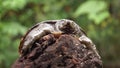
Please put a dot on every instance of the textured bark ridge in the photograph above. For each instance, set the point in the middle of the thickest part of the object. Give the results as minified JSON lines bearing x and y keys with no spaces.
{"x":64,"y":51}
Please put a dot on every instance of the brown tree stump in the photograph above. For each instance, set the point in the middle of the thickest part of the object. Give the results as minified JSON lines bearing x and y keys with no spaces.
{"x":65,"y":51}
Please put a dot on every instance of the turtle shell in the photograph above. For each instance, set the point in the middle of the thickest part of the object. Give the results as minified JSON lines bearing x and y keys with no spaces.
{"x":48,"y":27}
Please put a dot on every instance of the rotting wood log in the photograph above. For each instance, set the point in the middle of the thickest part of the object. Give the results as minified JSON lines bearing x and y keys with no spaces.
{"x":65,"y":51}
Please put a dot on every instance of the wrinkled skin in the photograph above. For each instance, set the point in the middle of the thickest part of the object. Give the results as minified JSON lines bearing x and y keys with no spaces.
{"x":55,"y":27}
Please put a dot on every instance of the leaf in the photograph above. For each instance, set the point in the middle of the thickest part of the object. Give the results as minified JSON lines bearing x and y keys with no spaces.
{"x":96,"y":10}
{"x":90,"y":7}
{"x":98,"y":18}
{"x":12,"y":28}
{"x":14,"y":4}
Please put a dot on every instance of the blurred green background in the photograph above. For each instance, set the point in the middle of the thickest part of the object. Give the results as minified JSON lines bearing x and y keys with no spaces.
{"x":99,"y":18}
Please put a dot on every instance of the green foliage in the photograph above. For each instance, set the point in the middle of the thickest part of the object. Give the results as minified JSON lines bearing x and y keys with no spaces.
{"x":96,"y":10}
{"x":9,"y":41}
{"x":17,"y":15}
{"x":14,"y":4}
{"x":12,"y":28}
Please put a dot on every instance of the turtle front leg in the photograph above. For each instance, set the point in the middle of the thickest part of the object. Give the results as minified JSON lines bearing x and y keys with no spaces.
{"x":85,"y":40}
